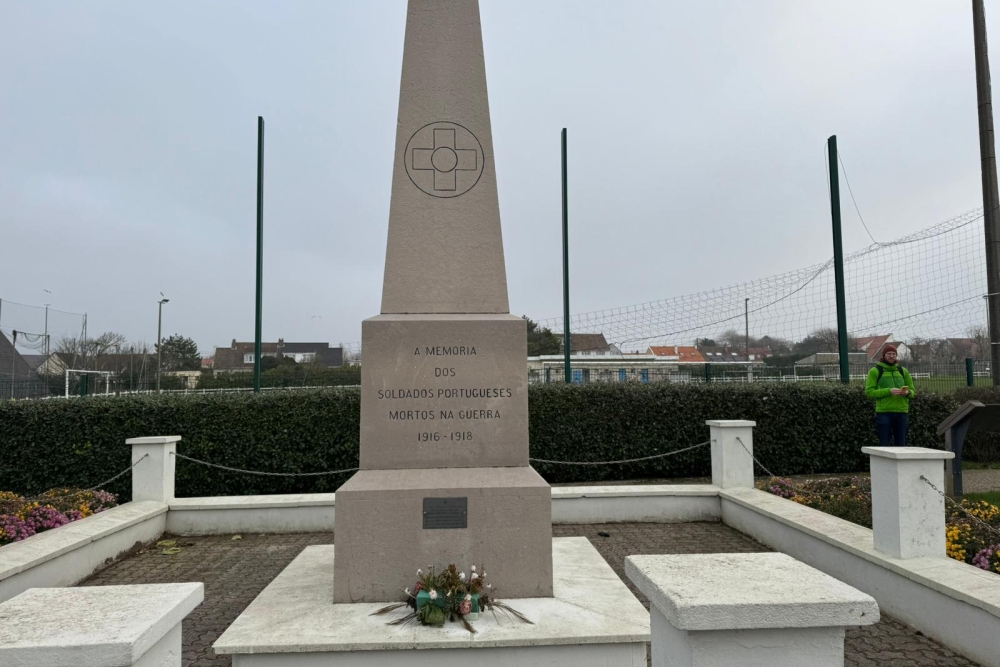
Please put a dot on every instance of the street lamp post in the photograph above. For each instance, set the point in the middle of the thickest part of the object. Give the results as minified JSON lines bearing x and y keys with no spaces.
{"x":159,"y":342}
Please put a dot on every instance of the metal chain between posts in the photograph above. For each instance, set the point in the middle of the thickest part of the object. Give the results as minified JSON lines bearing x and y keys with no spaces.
{"x":604,"y":463}
{"x":264,"y":474}
{"x":337,"y":472}
{"x":756,"y":460}
{"x":960,"y":508}
{"x":127,"y":470}
{"x":792,"y":484}
{"x":93,"y":488}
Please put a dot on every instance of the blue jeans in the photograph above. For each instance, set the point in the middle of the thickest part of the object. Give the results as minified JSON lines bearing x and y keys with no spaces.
{"x":892,"y":426}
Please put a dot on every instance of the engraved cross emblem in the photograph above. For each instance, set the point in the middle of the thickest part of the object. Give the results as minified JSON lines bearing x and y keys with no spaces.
{"x":444,"y":159}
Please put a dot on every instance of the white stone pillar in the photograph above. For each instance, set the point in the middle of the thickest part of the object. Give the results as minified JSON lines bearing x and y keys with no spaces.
{"x":752,"y":610}
{"x":153,"y":477}
{"x":71,"y":626}
{"x":732,"y":463}
{"x":907,"y":514}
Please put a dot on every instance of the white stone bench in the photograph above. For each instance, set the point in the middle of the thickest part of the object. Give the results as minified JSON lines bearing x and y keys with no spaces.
{"x":752,"y":610}
{"x":97,"y":626}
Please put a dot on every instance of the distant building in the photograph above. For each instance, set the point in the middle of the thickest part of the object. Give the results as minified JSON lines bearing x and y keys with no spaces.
{"x":57,"y":363}
{"x":946,"y":350}
{"x":17,"y":378}
{"x":873,"y":346}
{"x":239,"y":357}
{"x":733,"y":355}
{"x":34,"y":360}
{"x":118,"y":364}
{"x":685,"y":354}
{"x":12,"y":364}
{"x":833,"y":359}
{"x":590,"y":344}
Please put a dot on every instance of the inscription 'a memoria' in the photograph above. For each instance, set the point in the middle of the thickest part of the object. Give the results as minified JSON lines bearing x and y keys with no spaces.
{"x":447,"y":351}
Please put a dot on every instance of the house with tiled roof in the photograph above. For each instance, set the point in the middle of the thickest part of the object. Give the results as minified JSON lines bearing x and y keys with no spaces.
{"x":590,"y":344}
{"x":12,"y":364}
{"x":17,"y":374}
{"x":733,"y":355}
{"x":239,"y":356}
{"x":685,"y":354}
{"x":872,"y":346}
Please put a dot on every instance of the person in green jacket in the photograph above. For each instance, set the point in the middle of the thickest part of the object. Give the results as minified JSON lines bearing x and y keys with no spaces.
{"x":892,"y":388}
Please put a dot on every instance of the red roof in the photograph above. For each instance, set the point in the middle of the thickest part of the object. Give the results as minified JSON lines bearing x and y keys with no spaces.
{"x":872,"y":345}
{"x":683,"y":353}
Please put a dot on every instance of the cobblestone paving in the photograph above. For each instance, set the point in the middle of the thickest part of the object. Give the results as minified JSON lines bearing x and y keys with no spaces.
{"x":888,"y":643}
{"x":235,"y":572}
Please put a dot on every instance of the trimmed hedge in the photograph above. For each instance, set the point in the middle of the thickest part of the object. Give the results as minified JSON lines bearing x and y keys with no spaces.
{"x":800,"y":429}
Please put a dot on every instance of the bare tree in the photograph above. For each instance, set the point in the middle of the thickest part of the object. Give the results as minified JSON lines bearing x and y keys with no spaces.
{"x":733,"y":339}
{"x":980,"y":336}
{"x":350,"y":354}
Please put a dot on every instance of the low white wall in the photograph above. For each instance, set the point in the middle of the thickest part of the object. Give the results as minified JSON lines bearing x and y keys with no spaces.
{"x":957,"y":604}
{"x":293,"y":513}
{"x":310,"y":513}
{"x":71,"y":553}
{"x":954,"y":603}
{"x":648,"y":504}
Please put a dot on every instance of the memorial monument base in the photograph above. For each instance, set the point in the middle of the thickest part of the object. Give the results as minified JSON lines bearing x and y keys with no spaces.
{"x":592,"y":619}
{"x":383,"y":534}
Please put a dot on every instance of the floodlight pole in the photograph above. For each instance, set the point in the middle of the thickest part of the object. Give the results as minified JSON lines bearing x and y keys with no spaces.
{"x":567,"y":342}
{"x":746,"y":340}
{"x":260,"y":253}
{"x":991,"y":198}
{"x":838,"y":262}
{"x":13,"y":358}
{"x":159,"y":343}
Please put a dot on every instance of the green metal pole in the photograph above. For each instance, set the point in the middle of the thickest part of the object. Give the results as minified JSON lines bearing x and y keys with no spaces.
{"x":567,"y":343}
{"x":260,"y":251}
{"x":838,"y":262}
{"x":970,"y":372}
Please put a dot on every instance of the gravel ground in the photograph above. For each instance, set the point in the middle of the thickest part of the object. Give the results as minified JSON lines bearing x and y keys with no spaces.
{"x":979,"y":481}
{"x":235,"y":572}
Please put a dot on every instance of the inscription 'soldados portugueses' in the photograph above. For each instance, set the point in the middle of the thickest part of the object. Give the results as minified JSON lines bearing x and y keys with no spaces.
{"x":439,"y":403}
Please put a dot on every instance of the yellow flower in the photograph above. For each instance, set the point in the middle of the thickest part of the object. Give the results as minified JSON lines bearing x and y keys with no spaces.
{"x":956,"y":539}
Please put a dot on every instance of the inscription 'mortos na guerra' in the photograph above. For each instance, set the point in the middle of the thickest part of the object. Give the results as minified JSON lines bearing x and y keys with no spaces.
{"x":425,"y":415}
{"x":447,"y":351}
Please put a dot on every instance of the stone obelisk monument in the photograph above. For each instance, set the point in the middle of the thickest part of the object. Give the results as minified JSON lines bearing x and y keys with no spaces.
{"x":444,"y":399}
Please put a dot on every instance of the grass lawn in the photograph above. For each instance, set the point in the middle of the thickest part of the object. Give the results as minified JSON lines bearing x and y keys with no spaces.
{"x":992,"y":497}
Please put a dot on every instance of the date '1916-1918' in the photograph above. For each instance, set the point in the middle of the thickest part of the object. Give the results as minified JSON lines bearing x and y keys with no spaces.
{"x":455,"y":436}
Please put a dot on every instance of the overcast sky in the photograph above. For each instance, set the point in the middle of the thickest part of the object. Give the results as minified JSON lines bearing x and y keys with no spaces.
{"x":697,"y":132}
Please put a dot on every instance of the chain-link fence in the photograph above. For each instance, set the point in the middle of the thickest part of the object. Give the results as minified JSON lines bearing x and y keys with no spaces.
{"x":99,"y":384}
{"x":938,"y":377}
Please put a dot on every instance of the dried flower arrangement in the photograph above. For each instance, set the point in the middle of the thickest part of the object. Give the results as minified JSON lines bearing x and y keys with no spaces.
{"x":450,"y":595}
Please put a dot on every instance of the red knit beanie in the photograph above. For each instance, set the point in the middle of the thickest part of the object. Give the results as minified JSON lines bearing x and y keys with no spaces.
{"x":887,"y":349}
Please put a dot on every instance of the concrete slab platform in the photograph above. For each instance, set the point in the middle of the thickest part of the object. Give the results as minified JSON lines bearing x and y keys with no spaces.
{"x":293,"y":619}
{"x":747,"y":591}
{"x":107,"y":626}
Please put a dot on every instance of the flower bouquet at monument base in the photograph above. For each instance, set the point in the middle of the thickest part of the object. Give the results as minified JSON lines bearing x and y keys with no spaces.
{"x":450,"y":595}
